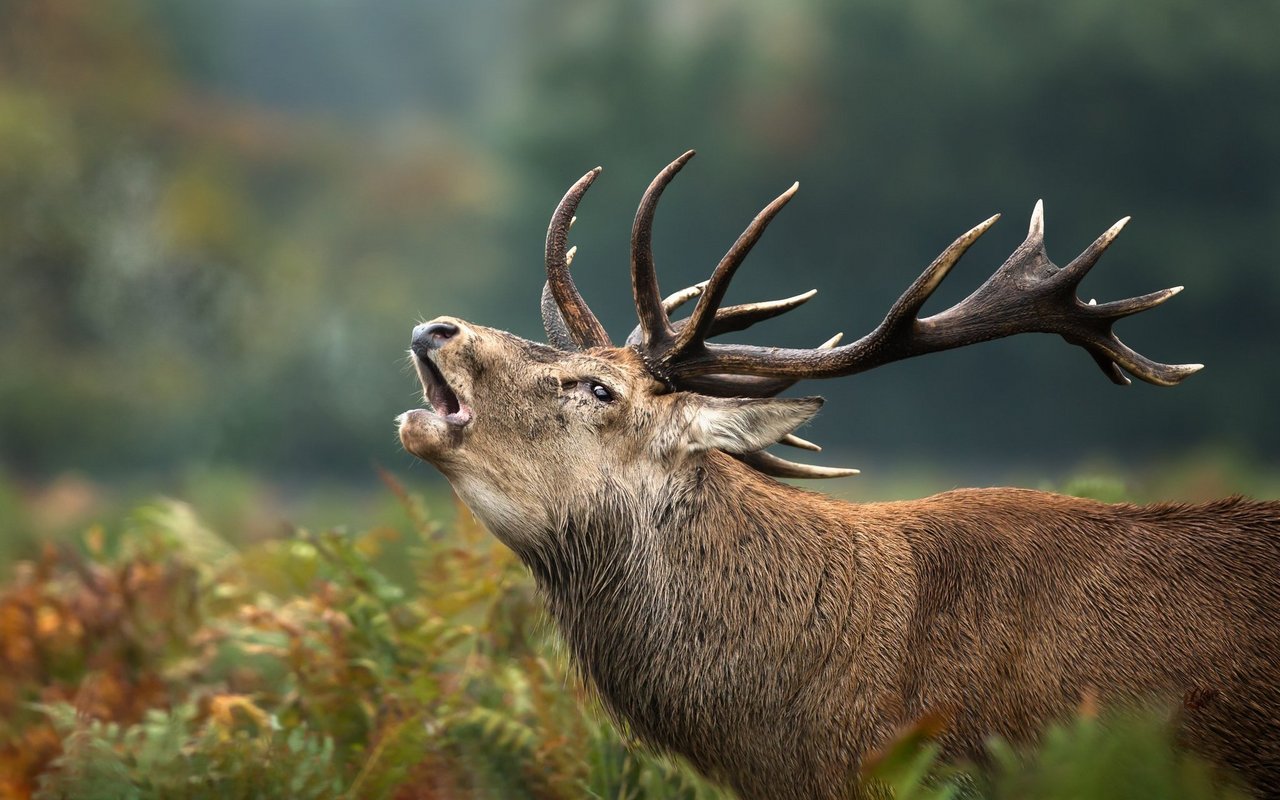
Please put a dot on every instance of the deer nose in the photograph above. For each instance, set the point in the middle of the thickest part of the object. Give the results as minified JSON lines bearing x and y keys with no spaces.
{"x":432,"y":336}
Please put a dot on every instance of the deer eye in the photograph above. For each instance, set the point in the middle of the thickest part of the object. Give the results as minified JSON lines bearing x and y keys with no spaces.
{"x":600,"y":391}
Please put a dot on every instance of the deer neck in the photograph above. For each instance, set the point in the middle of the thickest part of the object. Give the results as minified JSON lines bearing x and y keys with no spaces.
{"x":670,"y":601}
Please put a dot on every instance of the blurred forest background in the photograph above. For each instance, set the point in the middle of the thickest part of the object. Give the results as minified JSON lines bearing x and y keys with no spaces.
{"x":220,"y":220}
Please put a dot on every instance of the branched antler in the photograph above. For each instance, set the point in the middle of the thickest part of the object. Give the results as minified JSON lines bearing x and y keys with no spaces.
{"x":1027,"y":294}
{"x":569,"y":323}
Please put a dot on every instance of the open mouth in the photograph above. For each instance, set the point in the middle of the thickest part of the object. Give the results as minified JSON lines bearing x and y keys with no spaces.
{"x":439,"y":395}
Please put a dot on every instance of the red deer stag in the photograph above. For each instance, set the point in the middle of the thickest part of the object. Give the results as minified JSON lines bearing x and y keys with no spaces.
{"x":773,"y":636}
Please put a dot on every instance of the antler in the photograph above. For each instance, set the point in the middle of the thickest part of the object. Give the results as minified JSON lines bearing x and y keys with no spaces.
{"x":1028,"y":293}
{"x":569,"y":322}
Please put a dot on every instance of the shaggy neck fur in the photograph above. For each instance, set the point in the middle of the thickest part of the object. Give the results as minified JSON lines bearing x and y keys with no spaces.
{"x":706,"y":635}
{"x":774,"y":637}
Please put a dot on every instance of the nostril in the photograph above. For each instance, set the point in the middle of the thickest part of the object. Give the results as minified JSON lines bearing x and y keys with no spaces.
{"x":441,"y":331}
{"x":432,"y":335}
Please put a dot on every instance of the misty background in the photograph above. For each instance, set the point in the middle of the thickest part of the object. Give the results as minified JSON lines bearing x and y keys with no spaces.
{"x":220,"y":221}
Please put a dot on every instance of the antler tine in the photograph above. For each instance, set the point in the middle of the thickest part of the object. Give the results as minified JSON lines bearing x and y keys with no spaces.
{"x":699,"y":324}
{"x":1035,"y":231}
{"x":1074,"y":272}
{"x":732,"y":318}
{"x":576,"y":318}
{"x":770,"y":464}
{"x":1117,"y":309}
{"x":675,"y":300}
{"x":644,"y":279}
{"x":912,"y":300}
{"x":1108,"y":348}
{"x":804,"y":444}
{"x":741,"y":317}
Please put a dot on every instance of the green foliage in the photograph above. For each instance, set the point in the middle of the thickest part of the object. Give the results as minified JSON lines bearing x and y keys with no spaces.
{"x":908,"y":769}
{"x":1127,"y":755}
{"x":166,"y":662}
{"x":238,"y":751}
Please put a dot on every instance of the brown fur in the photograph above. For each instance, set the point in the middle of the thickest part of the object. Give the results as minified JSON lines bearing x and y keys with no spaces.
{"x":774,"y":636}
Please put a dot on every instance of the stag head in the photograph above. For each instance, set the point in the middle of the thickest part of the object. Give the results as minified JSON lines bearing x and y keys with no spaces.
{"x":523,"y":431}
{"x":519,"y":427}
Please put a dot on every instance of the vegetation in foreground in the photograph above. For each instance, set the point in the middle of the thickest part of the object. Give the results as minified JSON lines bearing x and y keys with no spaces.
{"x":162,"y":661}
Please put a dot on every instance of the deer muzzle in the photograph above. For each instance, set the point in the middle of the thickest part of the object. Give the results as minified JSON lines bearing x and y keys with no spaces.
{"x":424,"y":431}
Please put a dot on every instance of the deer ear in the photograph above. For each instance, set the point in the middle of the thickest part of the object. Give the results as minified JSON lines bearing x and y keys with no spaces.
{"x":743,"y":425}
